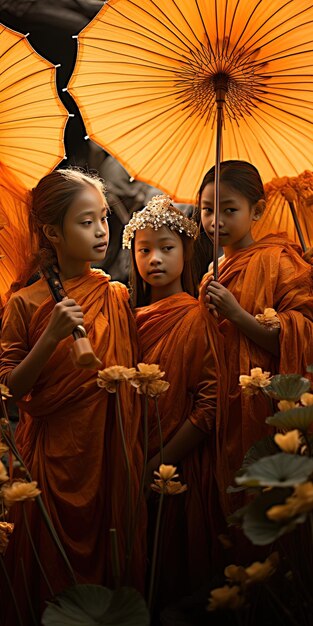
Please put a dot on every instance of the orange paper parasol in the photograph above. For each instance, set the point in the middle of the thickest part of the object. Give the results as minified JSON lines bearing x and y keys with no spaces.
{"x":32,"y":123}
{"x":289,"y":208}
{"x":144,"y":81}
{"x":154,"y":79}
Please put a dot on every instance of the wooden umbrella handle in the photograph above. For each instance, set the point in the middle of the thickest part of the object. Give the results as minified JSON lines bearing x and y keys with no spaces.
{"x":81,"y":352}
{"x":54,"y":284}
{"x":297,"y":225}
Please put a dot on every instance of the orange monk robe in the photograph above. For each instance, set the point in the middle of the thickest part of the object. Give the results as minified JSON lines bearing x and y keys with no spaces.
{"x":69,"y":438}
{"x":178,"y":334}
{"x":269,"y":273}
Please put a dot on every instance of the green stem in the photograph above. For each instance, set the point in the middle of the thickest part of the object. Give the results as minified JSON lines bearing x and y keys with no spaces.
{"x":28,"y":595}
{"x":4,"y":570}
{"x":35,"y":552}
{"x":128,"y":521}
{"x":9,"y":440}
{"x":6,"y":416}
{"x":11,"y":443}
{"x":160,"y":430}
{"x":115,"y":558}
{"x":142,"y":482}
{"x":55,"y":537}
{"x":270,"y":400}
{"x":145,"y":446}
{"x":15,"y":451}
{"x":4,"y":409}
{"x":154,"y":555}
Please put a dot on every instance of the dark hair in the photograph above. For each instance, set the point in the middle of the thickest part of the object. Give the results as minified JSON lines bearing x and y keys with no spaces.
{"x":203,"y":254}
{"x":140,"y":291}
{"x":48,"y":204}
{"x":203,"y":249}
{"x":241,"y":176}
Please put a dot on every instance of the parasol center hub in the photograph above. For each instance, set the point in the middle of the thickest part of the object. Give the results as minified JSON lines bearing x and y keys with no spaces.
{"x":220,"y":84}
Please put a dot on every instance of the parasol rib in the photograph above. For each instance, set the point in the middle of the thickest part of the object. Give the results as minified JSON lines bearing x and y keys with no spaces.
{"x":265,"y":49}
{"x":181,"y":39}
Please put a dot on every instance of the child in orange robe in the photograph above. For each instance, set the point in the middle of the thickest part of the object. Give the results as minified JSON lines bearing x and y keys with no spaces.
{"x":254,"y":275}
{"x":68,"y":432}
{"x":175,"y":332}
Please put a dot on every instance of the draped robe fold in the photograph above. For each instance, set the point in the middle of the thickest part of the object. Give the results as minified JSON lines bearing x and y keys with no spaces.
{"x":268,"y":273}
{"x":69,"y":438}
{"x":178,"y":334}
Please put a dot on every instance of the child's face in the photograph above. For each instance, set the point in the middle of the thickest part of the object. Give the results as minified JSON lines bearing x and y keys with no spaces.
{"x":159,"y":256}
{"x":85,"y":233}
{"x":236,"y":216}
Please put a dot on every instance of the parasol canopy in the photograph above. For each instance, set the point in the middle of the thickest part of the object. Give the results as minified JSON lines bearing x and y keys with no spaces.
{"x":32,"y":124}
{"x":149,"y":73}
{"x":284,"y":195}
{"x":32,"y":117}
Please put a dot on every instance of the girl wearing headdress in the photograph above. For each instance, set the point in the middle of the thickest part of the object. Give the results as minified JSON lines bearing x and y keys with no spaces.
{"x":176,"y":332}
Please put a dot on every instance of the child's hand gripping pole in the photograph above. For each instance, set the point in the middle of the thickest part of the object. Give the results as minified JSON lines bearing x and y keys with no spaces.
{"x":81,"y":352}
{"x":205,"y":298}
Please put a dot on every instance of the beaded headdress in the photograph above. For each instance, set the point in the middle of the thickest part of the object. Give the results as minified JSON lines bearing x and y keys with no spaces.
{"x":156,"y":214}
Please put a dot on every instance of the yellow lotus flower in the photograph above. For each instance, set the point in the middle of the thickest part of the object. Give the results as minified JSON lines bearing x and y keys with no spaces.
{"x":285,"y":405}
{"x":259,"y":572}
{"x":301,"y":501}
{"x":166,"y":472}
{"x":290,"y":442}
{"x":230,"y":598}
{"x":144,"y":380}
{"x":281,"y":512}
{"x":244,"y":380}
{"x":111,"y":377}
{"x":164,"y":484}
{"x":256,"y":381}
{"x":269,"y":318}
{"x":157,"y":387}
{"x":3,"y":473}
{"x":6,"y":530}
{"x":169,"y":488}
{"x":236,"y":574}
{"x":307,"y":399}
{"x":19,"y":491}
{"x":151,"y":371}
{"x":5,"y":392}
{"x":303,"y":495}
{"x":259,"y":377}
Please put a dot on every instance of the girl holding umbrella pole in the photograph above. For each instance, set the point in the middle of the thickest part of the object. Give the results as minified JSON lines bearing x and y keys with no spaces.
{"x":254,"y":275}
